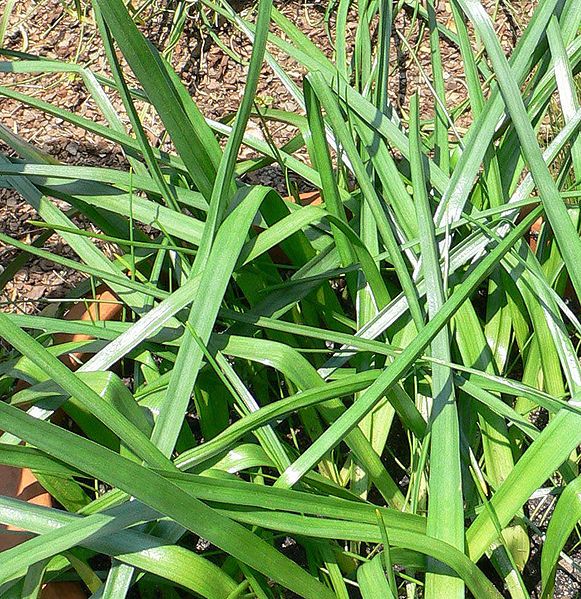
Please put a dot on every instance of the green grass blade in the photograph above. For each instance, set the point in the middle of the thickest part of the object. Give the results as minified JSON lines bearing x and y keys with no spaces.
{"x":151,"y":73}
{"x":445,"y":508}
{"x":564,"y":519}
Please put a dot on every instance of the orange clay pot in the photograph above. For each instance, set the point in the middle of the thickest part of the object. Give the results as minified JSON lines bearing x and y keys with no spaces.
{"x":307,"y":198}
{"x":534,"y":233}
{"x":535,"y":227}
{"x":107,"y":308}
{"x":533,"y":237}
{"x":21,"y":482}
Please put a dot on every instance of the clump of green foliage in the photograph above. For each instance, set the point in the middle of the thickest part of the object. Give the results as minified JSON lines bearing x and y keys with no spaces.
{"x":385,"y":428}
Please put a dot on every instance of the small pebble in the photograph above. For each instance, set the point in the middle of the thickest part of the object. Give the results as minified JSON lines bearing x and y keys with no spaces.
{"x":72,"y":148}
